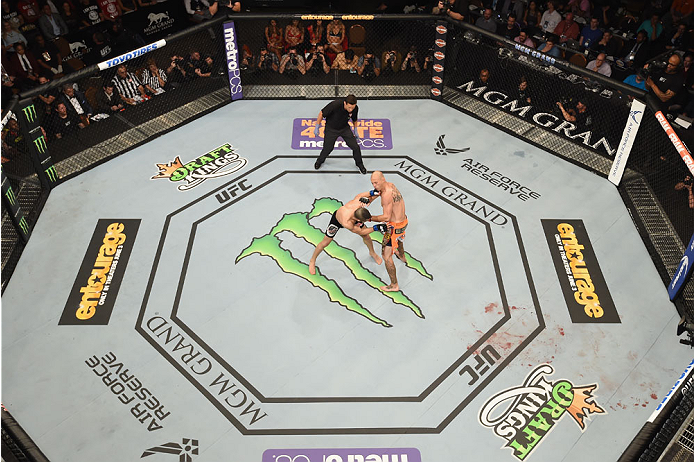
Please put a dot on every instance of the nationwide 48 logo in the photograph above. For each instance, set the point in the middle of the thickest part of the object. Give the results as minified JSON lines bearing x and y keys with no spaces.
{"x":535,"y":408}
{"x":216,"y":163}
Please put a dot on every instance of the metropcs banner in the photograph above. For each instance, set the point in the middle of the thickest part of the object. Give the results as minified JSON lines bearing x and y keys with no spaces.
{"x":232,"y":54}
{"x":374,"y":134}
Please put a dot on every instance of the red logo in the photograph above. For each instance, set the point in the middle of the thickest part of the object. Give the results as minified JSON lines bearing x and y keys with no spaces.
{"x":440,"y":43}
{"x":438,"y":68}
{"x":436,"y":92}
{"x":439,"y":55}
{"x":441,"y":29}
{"x":437,"y":80}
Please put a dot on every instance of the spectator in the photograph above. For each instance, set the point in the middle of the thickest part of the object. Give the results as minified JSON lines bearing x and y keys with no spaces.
{"x":335,"y":36}
{"x":129,"y":87}
{"x":483,"y":79}
{"x":110,"y":9}
{"x":227,"y":7}
{"x":454,"y":9}
{"x":567,"y":29}
{"x":590,"y":33}
{"x":176,"y":75}
{"x":71,"y":18}
{"x":638,"y":52}
{"x":63,"y":122}
{"x":274,"y":38}
{"x":200,"y":10}
{"x":687,"y":184}
{"x":44,"y":101}
{"x":345,"y":61}
{"x":48,"y":57}
{"x":90,"y":13}
{"x":8,"y":85}
{"x":578,"y":114}
{"x":665,"y":85}
{"x":636,"y":80}
{"x":206,"y":68}
{"x":24,"y":66}
{"x":580,"y":8}
{"x":192,"y":63}
{"x":550,"y":18}
{"x":29,"y":10}
{"x":293,"y":63}
{"x":248,"y":60}
{"x":486,"y":21}
{"x":153,"y":78}
{"x":523,"y":94}
{"x":515,"y":7}
{"x":108,"y":100}
{"x":510,"y":30}
{"x":317,"y":61}
{"x":268,"y":61}
{"x":607,"y":44}
{"x":75,"y":100}
{"x":391,"y":62}
{"x":532,"y":17}
{"x":12,"y":141}
{"x":52,"y":25}
{"x":679,"y":40}
{"x":316,"y":33}
{"x":411,"y":63}
{"x":549,"y":48}
{"x":294,"y":36}
{"x":12,"y":15}
{"x":523,"y":39}
{"x":652,"y":27}
{"x":369,"y":66}
{"x":600,"y":66}
{"x":123,"y":39}
{"x":10,"y":37}
{"x":101,"y":50}
{"x":128,"y":6}
{"x":688,"y":70}
{"x":680,"y":12}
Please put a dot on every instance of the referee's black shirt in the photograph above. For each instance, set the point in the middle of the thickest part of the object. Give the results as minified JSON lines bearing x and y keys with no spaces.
{"x":336,"y":116}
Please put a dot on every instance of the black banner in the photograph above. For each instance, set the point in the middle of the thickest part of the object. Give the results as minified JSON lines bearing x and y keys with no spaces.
{"x":439,"y":59}
{"x":581,"y":280}
{"x":95,"y":289}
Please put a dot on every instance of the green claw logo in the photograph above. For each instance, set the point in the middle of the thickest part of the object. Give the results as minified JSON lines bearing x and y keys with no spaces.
{"x":52,"y":175}
{"x":24,"y":225}
{"x":30,"y":113}
{"x":9,"y":194}
{"x":40,"y":144}
{"x":298,"y":224}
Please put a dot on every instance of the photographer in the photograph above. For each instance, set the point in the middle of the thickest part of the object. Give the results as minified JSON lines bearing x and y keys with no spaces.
{"x":410,"y":63}
{"x":369,"y":66}
{"x":665,"y":84}
{"x":454,"y":9}
{"x":391,"y":62}
{"x":175,"y":72}
{"x":268,"y":61}
{"x":316,"y":60}
{"x":578,"y":114}
{"x":292,"y":64}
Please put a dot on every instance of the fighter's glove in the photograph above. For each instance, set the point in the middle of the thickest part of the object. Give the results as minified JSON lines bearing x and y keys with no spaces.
{"x":381,"y":227}
{"x":365,"y":200}
{"x":374,"y":192}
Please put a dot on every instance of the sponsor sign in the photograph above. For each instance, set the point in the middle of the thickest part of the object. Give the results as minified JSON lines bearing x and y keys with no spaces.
{"x":131,"y":54}
{"x":219,"y":162}
{"x":683,"y":271}
{"x":95,"y":289}
{"x":343,"y":455}
{"x":439,"y":54}
{"x":374,"y":134}
{"x":232,"y":55}
{"x":682,"y":383}
{"x":679,"y":145}
{"x":628,"y":136}
{"x":533,"y":409}
{"x":500,"y":180}
{"x":184,"y":451}
{"x":580,"y":277}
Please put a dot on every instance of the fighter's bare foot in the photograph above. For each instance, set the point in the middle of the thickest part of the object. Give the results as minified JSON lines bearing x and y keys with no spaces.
{"x":390,"y":288}
{"x":312,"y":267}
{"x":377,"y":258}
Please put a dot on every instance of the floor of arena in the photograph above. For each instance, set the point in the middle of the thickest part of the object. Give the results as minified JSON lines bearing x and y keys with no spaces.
{"x":163,"y":307}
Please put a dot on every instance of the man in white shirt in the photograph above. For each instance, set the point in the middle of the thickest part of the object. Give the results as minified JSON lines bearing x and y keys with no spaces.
{"x":550,"y":18}
{"x":600,"y":66}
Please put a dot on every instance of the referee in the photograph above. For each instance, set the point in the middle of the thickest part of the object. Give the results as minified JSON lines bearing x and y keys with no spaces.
{"x":337,"y":115}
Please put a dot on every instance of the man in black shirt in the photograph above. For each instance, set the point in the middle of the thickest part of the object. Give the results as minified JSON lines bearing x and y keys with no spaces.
{"x":63,"y":122}
{"x":665,"y":85}
{"x":337,"y":115}
{"x":579,"y":114}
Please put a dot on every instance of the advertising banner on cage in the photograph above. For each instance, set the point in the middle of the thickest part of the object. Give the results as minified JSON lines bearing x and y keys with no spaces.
{"x":676,"y":141}
{"x":631,"y":129}
{"x":683,"y":271}
{"x":232,"y":53}
{"x":439,"y":59}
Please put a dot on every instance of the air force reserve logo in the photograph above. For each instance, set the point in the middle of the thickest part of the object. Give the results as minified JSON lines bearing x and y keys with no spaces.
{"x":442,"y":150}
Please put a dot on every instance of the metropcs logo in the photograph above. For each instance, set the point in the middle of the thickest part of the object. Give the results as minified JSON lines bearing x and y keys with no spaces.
{"x":343,"y":455}
{"x":219,"y":162}
{"x":536,"y":406}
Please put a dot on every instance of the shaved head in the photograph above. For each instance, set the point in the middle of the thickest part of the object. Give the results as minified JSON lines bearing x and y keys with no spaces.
{"x":377,"y":175}
{"x":378,"y":180}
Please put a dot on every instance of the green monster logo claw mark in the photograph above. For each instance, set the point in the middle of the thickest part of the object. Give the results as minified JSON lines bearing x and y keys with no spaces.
{"x":24,"y":225}
{"x":40,"y":144}
{"x":9,"y":194}
{"x":52,"y":175}
{"x":30,"y":113}
{"x":298,"y":224}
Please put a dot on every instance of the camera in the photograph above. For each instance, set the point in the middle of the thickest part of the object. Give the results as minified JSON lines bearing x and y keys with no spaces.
{"x":653,"y":68}
{"x":445,"y":6}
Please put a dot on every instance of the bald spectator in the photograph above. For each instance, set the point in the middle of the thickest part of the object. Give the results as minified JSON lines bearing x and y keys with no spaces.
{"x":600,"y":66}
{"x":486,"y":21}
{"x":567,"y":29}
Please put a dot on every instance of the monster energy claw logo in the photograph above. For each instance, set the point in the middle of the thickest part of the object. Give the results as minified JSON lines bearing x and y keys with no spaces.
{"x":298,"y":224}
{"x":9,"y":194}
{"x":40,"y":144}
{"x":24,"y":225}
{"x":30,"y":113}
{"x":52,"y":175}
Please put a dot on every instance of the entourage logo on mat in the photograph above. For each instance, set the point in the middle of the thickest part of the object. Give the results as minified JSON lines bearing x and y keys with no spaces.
{"x":343,"y":455}
{"x":298,"y":224}
{"x":184,"y":451}
{"x":95,"y":289}
{"x":534,"y":408}
{"x":580,"y":277}
{"x":219,"y":162}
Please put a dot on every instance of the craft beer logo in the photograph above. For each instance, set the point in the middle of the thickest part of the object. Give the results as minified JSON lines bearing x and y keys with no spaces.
{"x":95,"y":289}
{"x":580,"y":277}
{"x":343,"y":455}
{"x":216,"y":163}
{"x":534,"y":408}
{"x":373,"y":134}
{"x":183,"y":451}
{"x":298,"y":224}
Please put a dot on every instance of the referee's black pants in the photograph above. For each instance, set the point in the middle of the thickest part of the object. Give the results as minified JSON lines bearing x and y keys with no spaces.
{"x":331,"y":136}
